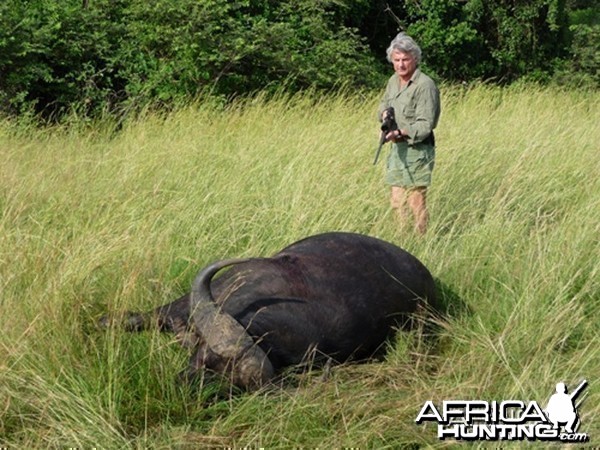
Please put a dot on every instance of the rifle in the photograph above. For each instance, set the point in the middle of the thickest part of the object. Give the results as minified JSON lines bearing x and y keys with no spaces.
{"x":578,"y":389}
{"x":389,"y":124}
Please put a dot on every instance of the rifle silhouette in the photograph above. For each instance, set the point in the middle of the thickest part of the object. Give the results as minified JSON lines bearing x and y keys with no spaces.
{"x":578,"y":390}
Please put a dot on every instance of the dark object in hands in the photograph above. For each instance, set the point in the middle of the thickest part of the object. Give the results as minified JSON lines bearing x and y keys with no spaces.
{"x":388,"y":125}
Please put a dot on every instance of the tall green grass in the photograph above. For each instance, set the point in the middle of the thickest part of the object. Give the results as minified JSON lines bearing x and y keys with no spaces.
{"x":95,"y":220}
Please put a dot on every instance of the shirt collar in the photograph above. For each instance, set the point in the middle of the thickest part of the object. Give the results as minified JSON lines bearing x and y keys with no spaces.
{"x":415,"y":76}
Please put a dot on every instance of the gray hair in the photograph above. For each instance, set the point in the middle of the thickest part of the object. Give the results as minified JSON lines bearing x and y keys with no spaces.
{"x":404,"y":43}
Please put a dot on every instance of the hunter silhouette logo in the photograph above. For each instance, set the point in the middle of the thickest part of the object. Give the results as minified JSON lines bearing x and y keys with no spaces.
{"x":472,"y":420}
{"x":562,"y":409}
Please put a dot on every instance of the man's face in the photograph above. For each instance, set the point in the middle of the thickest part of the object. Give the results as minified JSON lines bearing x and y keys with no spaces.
{"x":404,"y":64}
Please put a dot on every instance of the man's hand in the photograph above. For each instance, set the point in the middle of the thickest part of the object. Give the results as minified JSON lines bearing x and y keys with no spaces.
{"x":395,"y":136}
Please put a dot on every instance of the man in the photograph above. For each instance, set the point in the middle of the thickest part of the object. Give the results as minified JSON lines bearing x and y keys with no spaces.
{"x":561,"y":408}
{"x":416,"y":102}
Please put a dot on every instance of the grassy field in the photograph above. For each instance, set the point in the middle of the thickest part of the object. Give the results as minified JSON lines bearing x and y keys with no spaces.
{"x":93,"y":220}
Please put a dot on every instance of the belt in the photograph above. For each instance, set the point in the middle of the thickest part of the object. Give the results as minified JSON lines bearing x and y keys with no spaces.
{"x":430,"y":140}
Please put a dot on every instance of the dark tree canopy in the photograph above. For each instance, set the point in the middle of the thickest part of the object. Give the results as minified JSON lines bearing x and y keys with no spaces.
{"x":96,"y":56}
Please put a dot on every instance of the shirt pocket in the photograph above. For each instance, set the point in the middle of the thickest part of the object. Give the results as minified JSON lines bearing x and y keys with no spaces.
{"x":409,"y":111}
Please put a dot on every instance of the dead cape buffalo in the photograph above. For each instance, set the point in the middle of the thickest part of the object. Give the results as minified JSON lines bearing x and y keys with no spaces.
{"x":336,"y":296}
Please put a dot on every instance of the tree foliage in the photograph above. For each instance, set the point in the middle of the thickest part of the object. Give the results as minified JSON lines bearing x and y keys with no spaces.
{"x":54,"y":55}
{"x":92,"y":56}
{"x":584,"y":37}
{"x":501,"y":39}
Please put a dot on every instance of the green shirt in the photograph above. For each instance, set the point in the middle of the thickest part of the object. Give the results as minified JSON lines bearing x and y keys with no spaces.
{"x":416,"y":105}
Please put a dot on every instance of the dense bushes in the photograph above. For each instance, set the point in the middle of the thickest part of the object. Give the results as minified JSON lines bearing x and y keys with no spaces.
{"x":584,"y":65}
{"x":502,"y":39}
{"x":92,"y":56}
{"x":55,"y":55}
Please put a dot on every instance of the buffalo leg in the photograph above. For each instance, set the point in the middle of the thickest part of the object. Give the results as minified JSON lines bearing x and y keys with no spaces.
{"x":171,"y":318}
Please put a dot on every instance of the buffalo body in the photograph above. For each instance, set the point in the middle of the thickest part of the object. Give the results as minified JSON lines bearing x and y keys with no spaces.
{"x":333,"y":295}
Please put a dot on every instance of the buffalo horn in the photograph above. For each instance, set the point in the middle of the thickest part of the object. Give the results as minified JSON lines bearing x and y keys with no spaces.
{"x":248,"y":364}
